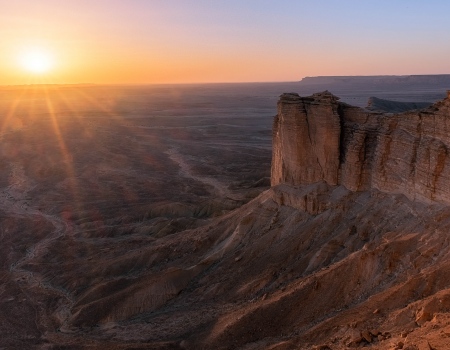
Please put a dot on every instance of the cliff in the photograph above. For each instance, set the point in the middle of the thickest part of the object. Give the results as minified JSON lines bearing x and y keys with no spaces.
{"x":386,"y":81}
{"x":318,"y":138}
{"x":382,"y":105}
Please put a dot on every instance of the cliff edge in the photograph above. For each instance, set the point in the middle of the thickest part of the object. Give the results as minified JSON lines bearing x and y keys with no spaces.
{"x":318,"y":138}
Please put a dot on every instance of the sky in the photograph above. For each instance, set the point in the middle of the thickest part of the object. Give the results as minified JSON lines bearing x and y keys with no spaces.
{"x":203,"y":41}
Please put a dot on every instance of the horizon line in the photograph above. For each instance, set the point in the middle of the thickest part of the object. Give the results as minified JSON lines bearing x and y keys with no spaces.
{"x":217,"y":83}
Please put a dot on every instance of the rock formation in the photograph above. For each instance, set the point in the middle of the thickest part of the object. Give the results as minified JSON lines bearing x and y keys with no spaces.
{"x":348,"y":249}
{"x":306,"y":140}
{"x":388,"y":106}
{"x":381,"y":81}
{"x":318,"y":138}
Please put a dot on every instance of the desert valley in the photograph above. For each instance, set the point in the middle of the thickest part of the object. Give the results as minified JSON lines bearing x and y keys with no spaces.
{"x":192,"y":217}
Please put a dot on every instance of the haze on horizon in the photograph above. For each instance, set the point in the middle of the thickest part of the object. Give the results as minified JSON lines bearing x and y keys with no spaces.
{"x":198,"y":41}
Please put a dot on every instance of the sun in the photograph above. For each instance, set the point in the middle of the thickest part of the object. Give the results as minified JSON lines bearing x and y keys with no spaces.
{"x":36,"y":61}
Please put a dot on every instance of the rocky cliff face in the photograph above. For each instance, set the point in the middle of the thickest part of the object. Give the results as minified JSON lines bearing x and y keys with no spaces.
{"x":318,"y":138}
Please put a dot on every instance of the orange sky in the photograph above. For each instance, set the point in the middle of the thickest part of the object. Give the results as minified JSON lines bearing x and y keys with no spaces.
{"x":177,"y":41}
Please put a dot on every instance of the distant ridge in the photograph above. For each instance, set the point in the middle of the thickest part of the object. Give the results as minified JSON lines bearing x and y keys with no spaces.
{"x":438,"y":80}
{"x":389,"y":106}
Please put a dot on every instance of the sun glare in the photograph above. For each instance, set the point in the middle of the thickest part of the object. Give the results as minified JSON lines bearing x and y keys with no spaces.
{"x":36,"y":61}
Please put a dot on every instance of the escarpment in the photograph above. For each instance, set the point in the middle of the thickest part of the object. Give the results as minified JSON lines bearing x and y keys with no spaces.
{"x":318,"y":138}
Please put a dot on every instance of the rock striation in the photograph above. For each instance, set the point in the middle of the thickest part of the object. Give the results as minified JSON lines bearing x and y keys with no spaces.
{"x":318,"y":138}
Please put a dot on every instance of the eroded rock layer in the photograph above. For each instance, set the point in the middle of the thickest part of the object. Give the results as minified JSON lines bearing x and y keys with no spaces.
{"x":318,"y":138}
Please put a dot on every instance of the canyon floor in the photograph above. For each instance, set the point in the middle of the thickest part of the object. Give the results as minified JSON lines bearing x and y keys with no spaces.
{"x":130,"y":227}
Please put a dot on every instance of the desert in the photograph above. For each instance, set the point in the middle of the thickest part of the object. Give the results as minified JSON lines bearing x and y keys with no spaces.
{"x":224,"y":175}
{"x":190,"y":217}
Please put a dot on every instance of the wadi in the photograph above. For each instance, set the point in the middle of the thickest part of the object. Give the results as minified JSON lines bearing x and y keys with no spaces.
{"x":130,"y":225}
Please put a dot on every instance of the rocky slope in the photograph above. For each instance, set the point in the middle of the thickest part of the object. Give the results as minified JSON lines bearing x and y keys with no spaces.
{"x":349,"y":248}
{"x":307,"y":267}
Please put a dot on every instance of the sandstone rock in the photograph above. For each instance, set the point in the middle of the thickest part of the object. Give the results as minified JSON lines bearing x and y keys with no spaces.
{"x":354,"y":339}
{"x":306,"y":139}
{"x":423,"y":316}
{"x":411,"y":347}
{"x":322,"y":347}
{"x":318,"y":138}
{"x":366,"y":336}
{"x":400,"y":345}
{"x":375,"y":332}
